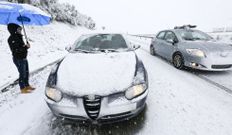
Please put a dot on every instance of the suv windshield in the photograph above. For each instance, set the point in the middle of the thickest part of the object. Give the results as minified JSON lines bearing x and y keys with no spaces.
{"x":192,"y":35}
{"x":102,"y":42}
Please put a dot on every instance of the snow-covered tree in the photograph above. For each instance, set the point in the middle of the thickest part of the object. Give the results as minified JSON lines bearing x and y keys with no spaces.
{"x":62,"y":12}
{"x":65,"y":13}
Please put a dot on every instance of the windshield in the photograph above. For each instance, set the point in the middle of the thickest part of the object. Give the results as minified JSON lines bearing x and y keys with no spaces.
{"x":102,"y":42}
{"x":192,"y":35}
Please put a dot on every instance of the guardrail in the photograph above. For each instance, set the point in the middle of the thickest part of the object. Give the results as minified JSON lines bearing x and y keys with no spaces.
{"x":143,"y":36}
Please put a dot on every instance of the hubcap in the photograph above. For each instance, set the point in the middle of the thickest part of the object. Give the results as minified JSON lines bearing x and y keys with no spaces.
{"x":177,"y":61}
{"x":152,"y":50}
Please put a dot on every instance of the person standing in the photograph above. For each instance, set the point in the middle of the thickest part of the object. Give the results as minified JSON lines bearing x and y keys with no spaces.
{"x":19,"y":52}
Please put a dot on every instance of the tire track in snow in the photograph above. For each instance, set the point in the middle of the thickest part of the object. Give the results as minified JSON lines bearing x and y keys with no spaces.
{"x":228,"y":90}
{"x":18,"y":107}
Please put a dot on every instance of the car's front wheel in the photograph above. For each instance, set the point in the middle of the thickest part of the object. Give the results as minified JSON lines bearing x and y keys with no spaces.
{"x":152,"y":50}
{"x":178,"y":61}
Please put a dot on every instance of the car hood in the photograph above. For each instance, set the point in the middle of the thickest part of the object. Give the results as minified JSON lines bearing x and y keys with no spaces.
{"x":208,"y":46}
{"x":99,"y":74}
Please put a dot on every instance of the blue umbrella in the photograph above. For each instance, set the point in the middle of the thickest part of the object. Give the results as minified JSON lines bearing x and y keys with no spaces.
{"x":22,"y":14}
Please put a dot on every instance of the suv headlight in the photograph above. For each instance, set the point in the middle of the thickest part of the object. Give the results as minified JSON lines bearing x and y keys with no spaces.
{"x":53,"y":94}
{"x":196,"y":52}
{"x":135,"y":91}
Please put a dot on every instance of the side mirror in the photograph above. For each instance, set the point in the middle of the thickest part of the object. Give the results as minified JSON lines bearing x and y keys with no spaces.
{"x":135,"y":47}
{"x":68,"y":48}
{"x":172,"y":41}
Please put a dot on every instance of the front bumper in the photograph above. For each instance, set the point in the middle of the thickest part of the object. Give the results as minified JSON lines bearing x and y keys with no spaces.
{"x":209,"y":63}
{"x":112,"y":109}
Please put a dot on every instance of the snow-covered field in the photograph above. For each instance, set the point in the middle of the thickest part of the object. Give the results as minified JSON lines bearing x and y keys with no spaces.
{"x":179,"y":102}
{"x":223,"y":36}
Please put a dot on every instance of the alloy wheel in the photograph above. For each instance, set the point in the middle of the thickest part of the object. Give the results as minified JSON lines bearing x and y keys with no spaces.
{"x":178,"y":61}
{"x":152,"y":50}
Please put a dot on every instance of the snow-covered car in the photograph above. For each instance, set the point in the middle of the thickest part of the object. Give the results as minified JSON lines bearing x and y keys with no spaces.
{"x":184,"y":46}
{"x":101,"y":80}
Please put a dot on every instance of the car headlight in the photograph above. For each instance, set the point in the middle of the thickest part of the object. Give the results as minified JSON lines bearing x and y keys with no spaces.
{"x":53,"y":94}
{"x":196,"y":52}
{"x":135,"y":91}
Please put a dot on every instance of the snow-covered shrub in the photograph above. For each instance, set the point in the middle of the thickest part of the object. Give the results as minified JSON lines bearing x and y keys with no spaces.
{"x":65,"y":13}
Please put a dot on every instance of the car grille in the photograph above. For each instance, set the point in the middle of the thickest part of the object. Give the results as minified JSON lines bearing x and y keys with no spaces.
{"x":221,"y":66}
{"x":92,"y":106}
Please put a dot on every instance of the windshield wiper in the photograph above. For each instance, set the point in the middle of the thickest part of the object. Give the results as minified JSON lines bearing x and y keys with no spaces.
{"x":108,"y":50}
{"x":83,"y":51}
{"x":189,"y":39}
{"x":197,"y":39}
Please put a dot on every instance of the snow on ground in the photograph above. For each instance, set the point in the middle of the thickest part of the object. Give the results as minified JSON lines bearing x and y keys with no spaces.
{"x":179,"y":102}
{"x":143,"y":42}
{"x":47,"y":45}
{"x":19,"y":112}
{"x":223,"y":36}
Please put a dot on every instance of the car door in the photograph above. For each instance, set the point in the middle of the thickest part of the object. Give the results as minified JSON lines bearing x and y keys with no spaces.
{"x":169,"y":45}
{"x":158,"y":42}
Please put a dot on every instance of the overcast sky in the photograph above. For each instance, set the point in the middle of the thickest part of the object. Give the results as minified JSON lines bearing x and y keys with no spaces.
{"x":150,"y":16}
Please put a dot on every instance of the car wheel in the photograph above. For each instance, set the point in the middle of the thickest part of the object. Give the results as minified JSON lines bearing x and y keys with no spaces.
{"x":152,"y":50}
{"x":178,"y":61}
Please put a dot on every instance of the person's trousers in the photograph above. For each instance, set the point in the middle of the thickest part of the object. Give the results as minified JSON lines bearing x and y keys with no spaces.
{"x":22,"y":66}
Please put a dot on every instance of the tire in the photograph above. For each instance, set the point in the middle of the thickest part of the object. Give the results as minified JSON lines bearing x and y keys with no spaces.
{"x":178,"y":61}
{"x":152,"y":50}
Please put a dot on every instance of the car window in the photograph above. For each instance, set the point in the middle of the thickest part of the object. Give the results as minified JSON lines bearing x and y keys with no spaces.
{"x":102,"y":42}
{"x":194,"y":35}
{"x":161,"y":35}
{"x":170,"y":36}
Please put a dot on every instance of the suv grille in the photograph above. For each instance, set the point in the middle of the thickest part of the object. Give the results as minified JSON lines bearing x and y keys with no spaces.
{"x":92,"y":106}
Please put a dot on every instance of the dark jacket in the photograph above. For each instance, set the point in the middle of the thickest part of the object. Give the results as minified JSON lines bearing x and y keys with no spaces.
{"x":16,"y":43}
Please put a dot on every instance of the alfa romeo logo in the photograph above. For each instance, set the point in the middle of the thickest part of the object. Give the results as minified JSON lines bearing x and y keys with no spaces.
{"x":91,"y":97}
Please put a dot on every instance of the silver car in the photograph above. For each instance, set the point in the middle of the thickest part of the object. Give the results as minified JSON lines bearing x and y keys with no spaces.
{"x":185,"y":46}
{"x":101,"y":80}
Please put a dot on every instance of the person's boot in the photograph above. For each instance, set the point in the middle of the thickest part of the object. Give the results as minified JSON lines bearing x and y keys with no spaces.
{"x":25,"y":91}
{"x":30,"y":88}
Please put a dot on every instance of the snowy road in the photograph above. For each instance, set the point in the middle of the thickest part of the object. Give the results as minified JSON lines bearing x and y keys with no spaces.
{"x":179,"y":103}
